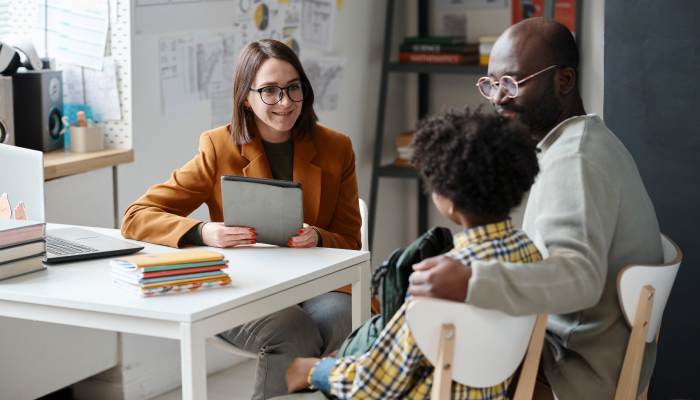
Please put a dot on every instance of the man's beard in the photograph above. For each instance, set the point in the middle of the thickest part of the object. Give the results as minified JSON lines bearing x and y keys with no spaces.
{"x":541,"y":114}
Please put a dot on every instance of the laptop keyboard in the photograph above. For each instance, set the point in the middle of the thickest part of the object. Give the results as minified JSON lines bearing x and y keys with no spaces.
{"x":62,"y":247}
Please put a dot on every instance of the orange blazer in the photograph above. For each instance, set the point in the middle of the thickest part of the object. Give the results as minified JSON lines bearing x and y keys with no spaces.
{"x":324,"y":165}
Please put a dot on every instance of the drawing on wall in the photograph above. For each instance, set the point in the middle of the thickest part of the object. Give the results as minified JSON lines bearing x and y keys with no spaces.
{"x":101,"y":91}
{"x":210,"y":69}
{"x":178,"y":74}
{"x":317,"y":24}
{"x":325,"y":75}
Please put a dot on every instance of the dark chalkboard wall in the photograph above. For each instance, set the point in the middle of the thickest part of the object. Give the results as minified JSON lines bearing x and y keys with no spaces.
{"x":652,"y":103}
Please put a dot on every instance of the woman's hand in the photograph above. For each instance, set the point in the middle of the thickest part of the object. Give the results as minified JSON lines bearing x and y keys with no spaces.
{"x":215,"y":234}
{"x":307,"y":238}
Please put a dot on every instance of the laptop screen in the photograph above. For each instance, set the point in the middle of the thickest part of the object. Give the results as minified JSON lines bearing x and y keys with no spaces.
{"x":21,"y":181}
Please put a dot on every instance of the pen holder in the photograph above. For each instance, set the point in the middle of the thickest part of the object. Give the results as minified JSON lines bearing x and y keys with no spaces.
{"x":86,"y":139}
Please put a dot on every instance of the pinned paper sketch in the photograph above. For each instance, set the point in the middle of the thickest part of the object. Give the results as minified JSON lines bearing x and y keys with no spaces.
{"x":178,"y":74}
{"x":102,"y":92}
{"x":222,"y":99}
{"x":291,"y":34}
{"x":317,"y":24}
{"x":5,"y":208}
{"x":73,"y":31}
{"x":73,"y":89}
{"x":325,"y":75}
{"x":210,"y":65}
{"x":20,"y":212}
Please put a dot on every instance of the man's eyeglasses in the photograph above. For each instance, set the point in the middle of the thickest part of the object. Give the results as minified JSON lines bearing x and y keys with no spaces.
{"x":488,"y":87}
{"x":272,"y":95}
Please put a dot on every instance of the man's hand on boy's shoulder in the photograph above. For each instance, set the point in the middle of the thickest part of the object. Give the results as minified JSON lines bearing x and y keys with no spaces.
{"x":441,"y":277}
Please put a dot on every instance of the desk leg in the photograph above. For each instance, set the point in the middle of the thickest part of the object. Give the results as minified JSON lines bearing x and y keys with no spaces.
{"x":193,"y":360}
{"x":115,"y":193}
{"x":361,"y":301}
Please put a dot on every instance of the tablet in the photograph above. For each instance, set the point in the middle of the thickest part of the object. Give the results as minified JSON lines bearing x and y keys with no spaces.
{"x":273,"y":207}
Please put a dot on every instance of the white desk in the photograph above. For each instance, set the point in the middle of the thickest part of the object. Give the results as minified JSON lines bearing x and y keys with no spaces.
{"x":265,"y":280}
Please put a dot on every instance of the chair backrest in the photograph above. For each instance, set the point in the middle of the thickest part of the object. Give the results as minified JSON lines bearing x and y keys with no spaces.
{"x":364,"y":230}
{"x":633,"y":278}
{"x":489,"y":344}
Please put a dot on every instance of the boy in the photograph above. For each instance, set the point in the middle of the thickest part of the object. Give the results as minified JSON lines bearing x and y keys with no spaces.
{"x":477,"y":168}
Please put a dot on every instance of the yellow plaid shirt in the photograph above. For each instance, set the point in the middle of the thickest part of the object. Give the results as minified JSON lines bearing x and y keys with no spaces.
{"x":394,"y":367}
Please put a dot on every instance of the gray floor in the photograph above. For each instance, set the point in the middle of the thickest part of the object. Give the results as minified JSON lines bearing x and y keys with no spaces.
{"x":235,"y":383}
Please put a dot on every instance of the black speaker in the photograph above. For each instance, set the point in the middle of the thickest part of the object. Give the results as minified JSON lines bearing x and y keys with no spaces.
{"x":7,"y":125}
{"x":38,"y":109}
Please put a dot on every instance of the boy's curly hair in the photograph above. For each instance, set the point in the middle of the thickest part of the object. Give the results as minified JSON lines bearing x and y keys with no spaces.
{"x":483,"y":162}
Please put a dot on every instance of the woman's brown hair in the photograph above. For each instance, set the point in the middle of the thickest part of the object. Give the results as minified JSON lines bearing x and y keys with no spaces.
{"x":246,"y":68}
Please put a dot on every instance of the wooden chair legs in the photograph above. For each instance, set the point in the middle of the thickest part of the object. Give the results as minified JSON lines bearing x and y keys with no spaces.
{"x":632,"y":366}
{"x":442,"y":377}
{"x":531,"y":363}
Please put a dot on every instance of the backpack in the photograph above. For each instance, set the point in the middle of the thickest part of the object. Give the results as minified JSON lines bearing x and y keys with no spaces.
{"x":392,"y":277}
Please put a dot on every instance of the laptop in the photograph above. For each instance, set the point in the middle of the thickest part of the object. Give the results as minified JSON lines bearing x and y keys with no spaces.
{"x":22,"y":180}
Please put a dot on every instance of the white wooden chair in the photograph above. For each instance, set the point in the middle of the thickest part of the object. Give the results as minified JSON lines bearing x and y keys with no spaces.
{"x":491,"y":345}
{"x":643,"y":291}
{"x":225,"y":345}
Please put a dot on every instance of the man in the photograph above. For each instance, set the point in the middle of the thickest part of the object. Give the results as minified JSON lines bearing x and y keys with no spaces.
{"x":588,"y":213}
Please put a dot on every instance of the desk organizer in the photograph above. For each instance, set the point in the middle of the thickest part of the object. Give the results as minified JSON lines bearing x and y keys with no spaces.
{"x":86,"y":139}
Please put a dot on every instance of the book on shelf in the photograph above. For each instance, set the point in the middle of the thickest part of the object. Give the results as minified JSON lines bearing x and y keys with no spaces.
{"x":435,"y":40}
{"x":170,"y":273}
{"x":471,"y":48}
{"x":22,"y":266}
{"x":14,"y":231}
{"x":485,"y":46}
{"x":438,"y":58}
{"x":404,"y":150}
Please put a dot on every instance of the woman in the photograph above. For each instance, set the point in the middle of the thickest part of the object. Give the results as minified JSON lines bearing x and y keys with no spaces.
{"x":273,"y":134}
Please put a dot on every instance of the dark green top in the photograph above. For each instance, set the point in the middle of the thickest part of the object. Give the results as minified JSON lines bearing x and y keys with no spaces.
{"x":280,"y":156}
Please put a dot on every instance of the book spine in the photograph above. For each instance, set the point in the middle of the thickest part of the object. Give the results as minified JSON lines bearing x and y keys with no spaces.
{"x":431,"y":58}
{"x":438,"y":48}
{"x":433,"y":40}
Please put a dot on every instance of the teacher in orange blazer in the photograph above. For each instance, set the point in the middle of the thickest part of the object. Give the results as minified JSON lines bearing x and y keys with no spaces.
{"x":273,"y":134}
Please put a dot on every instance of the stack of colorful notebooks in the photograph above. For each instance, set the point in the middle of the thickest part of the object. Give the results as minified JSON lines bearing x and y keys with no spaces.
{"x":185,"y":271}
{"x":22,"y":247}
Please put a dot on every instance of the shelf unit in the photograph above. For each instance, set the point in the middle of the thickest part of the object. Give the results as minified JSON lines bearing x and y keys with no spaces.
{"x":423,"y":71}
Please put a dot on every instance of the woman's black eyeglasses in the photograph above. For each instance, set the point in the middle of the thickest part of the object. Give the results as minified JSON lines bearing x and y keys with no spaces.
{"x":271,"y":95}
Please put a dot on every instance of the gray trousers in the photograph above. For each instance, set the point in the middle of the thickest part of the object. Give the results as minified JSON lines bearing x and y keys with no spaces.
{"x":313,"y":328}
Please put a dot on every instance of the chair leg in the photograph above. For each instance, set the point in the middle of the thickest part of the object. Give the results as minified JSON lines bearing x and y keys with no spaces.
{"x":442,"y":376}
{"x":632,"y":366}
{"x":531,"y":363}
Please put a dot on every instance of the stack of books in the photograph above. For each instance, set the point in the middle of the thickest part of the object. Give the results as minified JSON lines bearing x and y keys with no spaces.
{"x":438,"y":50}
{"x":22,"y":247}
{"x":162,"y":274}
{"x":485,"y":47}
{"x":404,"y":150}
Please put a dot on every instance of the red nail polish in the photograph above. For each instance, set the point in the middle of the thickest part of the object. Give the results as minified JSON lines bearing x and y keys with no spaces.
{"x":254,"y":236}
{"x":251,"y":230}
{"x":289,"y":244}
{"x":301,"y":231}
{"x":253,"y":242}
